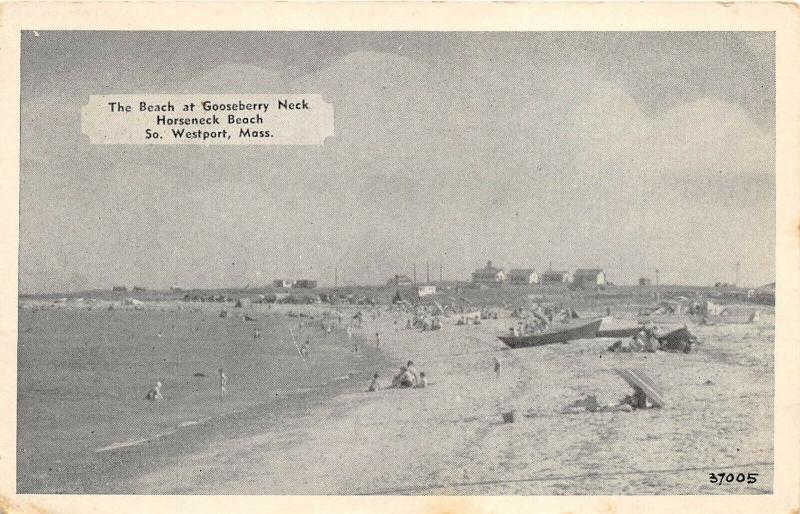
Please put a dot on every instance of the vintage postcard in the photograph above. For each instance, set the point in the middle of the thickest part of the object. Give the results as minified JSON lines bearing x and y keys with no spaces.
{"x":450,"y":257}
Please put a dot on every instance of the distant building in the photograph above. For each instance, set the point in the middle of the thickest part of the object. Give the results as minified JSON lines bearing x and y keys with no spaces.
{"x":305,"y":284}
{"x":645,"y":281}
{"x":426,"y":290}
{"x":522,"y":276}
{"x":119,"y":289}
{"x":176,"y":289}
{"x":551,"y":277}
{"x":139,"y":288}
{"x":282,"y":282}
{"x":488,"y":275}
{"x":399,"y":280}
{"x":589,"y":278}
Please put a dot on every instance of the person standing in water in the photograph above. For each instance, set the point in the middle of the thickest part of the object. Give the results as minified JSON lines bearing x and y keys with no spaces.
{"x":497,"y":367}
{"x":223,"y":381}
{"x":155,"y":392}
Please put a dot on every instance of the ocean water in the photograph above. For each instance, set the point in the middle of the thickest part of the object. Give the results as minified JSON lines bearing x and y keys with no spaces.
{"x":83,"y":376}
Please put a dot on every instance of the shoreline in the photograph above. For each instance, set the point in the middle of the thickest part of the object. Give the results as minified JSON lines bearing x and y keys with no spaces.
{"x":108,"y":468}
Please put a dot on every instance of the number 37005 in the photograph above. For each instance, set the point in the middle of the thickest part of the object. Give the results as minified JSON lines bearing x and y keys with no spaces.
{"x":729,"y":478}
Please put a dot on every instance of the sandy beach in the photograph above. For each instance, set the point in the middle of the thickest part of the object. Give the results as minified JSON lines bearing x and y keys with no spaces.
{"x":450,"y":438}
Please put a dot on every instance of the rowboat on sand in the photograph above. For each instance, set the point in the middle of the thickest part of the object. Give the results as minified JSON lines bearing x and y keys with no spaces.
{"x":561,"y":333}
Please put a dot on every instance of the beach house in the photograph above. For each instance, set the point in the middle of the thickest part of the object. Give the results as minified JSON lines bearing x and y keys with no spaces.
{"x":522,"y":276}
{"x":551,"y":277}
{"x":589,"y":278}
{"x":488,"y":275}
{"x":426,"y":290}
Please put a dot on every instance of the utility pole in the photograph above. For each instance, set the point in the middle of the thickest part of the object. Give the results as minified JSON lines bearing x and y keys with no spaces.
{"x":658,"y":291}
{"x":440,"y":271}
{"x":335,"y":277}
{"x":427,"y":272}
{"x":737,"y":275}
{"x":415,"y":273}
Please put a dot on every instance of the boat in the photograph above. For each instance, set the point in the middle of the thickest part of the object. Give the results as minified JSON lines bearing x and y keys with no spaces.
{"x":619,"y":332}
{"x":727,"y":319}
{"x":610,"y":328}
{"x":579,"y":329}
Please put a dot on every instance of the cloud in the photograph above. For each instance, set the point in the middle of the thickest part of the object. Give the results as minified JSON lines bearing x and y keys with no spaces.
{"x":515,"y":159}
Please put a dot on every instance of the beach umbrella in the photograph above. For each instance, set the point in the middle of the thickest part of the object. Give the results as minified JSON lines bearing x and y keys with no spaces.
{"x":639,"y":379}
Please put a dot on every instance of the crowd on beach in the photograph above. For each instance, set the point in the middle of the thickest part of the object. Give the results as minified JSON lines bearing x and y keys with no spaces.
{"x":408,"y":377}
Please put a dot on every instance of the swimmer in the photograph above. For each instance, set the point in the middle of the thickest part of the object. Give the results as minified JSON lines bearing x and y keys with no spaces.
{"x":155,"y":392}
{"x":223,"y":381}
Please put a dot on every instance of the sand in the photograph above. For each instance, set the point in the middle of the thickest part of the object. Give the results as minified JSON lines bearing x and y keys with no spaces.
{"x":450,"y":438}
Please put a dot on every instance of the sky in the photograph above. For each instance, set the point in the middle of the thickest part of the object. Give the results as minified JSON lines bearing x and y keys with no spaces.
{"x":623,"y":151}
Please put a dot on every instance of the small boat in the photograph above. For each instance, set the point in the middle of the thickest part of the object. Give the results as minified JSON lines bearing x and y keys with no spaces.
{"x":580,"y":329}
{"x":727,"y":319}
{"x":623,"y":330}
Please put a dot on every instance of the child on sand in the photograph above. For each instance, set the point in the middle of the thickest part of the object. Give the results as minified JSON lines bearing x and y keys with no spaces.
{"x":422,"y":383}
{"x":374,"y":385}
{"x":155,"y":392}
{"x":497,"y":366}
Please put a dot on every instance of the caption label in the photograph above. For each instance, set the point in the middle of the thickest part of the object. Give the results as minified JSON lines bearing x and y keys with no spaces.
{"x":274,"y":119}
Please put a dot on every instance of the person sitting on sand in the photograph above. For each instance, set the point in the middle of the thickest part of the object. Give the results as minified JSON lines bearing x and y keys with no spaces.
{"x":639,"y":399}
{"x":155,"y":392}
{"x":407,"y":379}
{"x":413,"y":371}
{"x":374,"y":385}
{"x":423,"y":381}
{"x":590,"y":404}
{"x":397,"y":378}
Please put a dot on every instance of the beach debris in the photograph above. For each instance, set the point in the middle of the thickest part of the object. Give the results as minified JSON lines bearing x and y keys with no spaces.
{"x":508,"y":416}
{"x":199,"y":374}
{"x":223,"y":314}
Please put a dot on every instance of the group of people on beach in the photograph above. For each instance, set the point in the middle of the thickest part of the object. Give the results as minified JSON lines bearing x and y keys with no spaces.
{"x":408,"y":377}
